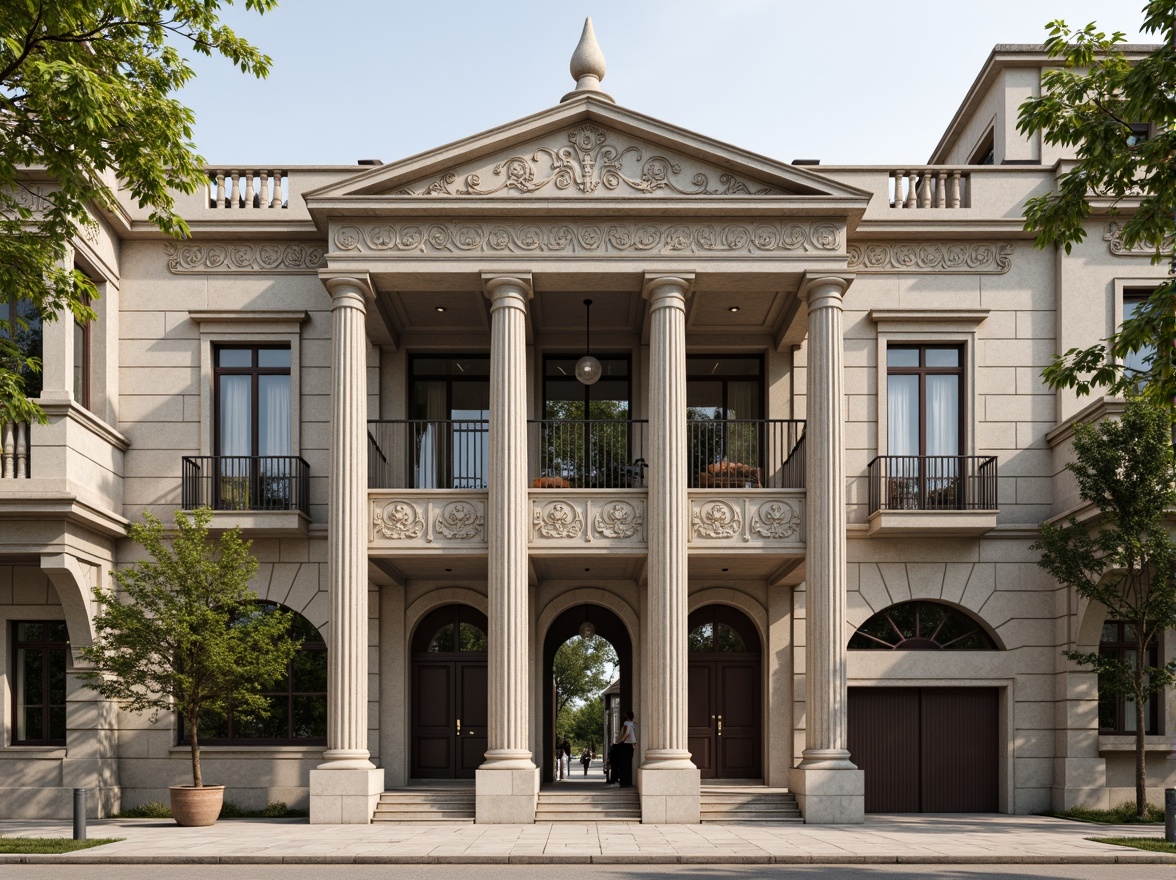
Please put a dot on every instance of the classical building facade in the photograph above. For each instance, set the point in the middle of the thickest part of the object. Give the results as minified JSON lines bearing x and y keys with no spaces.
{"x":796,"y":488}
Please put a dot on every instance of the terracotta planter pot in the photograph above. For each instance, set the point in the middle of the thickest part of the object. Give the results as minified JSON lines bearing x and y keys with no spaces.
{"x":194,"y":807}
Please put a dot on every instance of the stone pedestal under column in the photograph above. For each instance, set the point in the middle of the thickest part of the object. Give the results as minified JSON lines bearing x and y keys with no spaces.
{"x":344,"y":796}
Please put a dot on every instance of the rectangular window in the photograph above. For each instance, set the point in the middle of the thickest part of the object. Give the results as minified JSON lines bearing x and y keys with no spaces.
{"x":1116,"y":714}
{"x":586,"y":436}
{"x":924,"y":385}
{"x":41,"y":658}
{"x":20,"y":336}
{"x":449,"y":405}
{"x":1141,"y":360}
{"x":81,"y":362}
{"x":724,"y":422}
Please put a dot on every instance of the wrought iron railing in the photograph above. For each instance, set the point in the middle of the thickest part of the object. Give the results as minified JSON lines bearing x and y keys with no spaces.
{"x":428,"y":454}
{"x":746,"y":453}
{"x":246,"y":482}
{"x":933,"y":482}
{"x":589,"y":454}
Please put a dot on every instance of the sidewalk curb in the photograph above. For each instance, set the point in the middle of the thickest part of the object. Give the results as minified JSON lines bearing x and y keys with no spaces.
{"x":1109,"y":859}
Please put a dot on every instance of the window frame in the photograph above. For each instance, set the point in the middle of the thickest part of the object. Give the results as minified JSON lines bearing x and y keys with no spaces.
{"x":759,"y":377}
{"x":1117,"y":648}
{"x":255,"y":372}
{"x":1130,"y":290}
{"x":44,"y":647}
{"x":923,"y":371}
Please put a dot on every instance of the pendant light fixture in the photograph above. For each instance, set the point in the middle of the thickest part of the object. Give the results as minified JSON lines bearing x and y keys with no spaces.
{"x":587,"y":628}
{"x":588,"y":368}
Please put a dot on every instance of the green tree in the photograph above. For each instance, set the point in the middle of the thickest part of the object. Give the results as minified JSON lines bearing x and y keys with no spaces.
{"x":86,"y":105}
{"x":582,"y":669}
{"x":1124,"y":558}
{"x":184,"y":633}
{"x":586,"y":725}
{"x":1100,"y":104}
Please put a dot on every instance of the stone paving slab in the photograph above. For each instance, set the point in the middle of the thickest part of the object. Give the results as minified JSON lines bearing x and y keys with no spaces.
{"x":922,"y":839}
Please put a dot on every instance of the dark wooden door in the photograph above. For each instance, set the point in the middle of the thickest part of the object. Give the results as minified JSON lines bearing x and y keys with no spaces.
{"x":449,"y":718}
{"x":723,"y":716}
{"x":931,"y":750}
{"x":472,"y":715}
{"x":701,"y":709}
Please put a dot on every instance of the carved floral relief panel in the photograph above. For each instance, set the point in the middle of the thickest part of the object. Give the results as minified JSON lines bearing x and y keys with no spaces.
{"x":747,"y":519}
{"x":441,"y":520}
{"x":560,"y":519}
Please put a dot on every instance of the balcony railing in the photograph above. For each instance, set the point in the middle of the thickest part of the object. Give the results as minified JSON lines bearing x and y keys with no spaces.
{"x":14,"y":451}
{"x":428,"y":454}
{"x":930,"y":187}
{"x":933,"y":482}
{"x":245,"y":482}
{"x":589,"y":454}
{"x":746,"y":453}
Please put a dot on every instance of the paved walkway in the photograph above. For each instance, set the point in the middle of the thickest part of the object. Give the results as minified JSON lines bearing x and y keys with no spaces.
{"x":924,"y":839}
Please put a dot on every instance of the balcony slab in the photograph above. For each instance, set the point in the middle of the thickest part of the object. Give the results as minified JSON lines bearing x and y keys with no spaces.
{"x":912,"y":523}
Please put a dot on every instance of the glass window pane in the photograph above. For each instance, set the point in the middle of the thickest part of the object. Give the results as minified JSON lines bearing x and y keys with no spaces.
{"x":943,"y":357}
{"x":31,"y":681}
{"x":943,"y":415}
{"x":898,"y":356}
{"x":57,"y":631}
{"x":236,"y":394}
{"x":1110,"y":631}
{"x":471,"y":400}
{"x":30,"y":632}
{"x":212,"y":726}
{"x":472,"y":638}
{"x":234,"y":357}
{"x":57,"y":658}
{"x":56,"y":723}
{"x":273,"y":358}
{"x":443,"y":642}
{"x":704,"y":399}
{"x":720,"y":366}
{"x":902,"y":415}
{"x":273,"y":414}
{"x":310,"y":718}
{"x":80,"y":391}
{"x":702,"y":638}
{"x":728,"y":640}
{"x":310,"y":672}
{"x":34,"y":724}
{"x":1140,"y":360}
{"x":743,"y":400}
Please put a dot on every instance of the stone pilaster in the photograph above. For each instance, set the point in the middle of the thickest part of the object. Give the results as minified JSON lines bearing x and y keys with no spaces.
{"x":507,"y":784}
{"x":667,"y":777}
{"x":828,"y":787}
{"x":344,"y":789}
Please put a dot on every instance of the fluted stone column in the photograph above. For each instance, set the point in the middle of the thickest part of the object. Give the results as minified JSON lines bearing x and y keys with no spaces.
{"x":508,"y":782}
{"x":345,"y":788}
{"x":668,"y":779}
{"x":829,"y":788}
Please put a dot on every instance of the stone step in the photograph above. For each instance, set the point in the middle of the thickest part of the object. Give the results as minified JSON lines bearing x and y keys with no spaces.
{"x":731,"y":806}
{"x":437,"y":806}
{"x":750,"y":805}
{"x":547,"y":819}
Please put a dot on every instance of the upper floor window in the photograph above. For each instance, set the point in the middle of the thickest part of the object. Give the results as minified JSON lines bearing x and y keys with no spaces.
{"x":81,"y":362}
{"x":20,"y":337}
{"x":252,"y":400}
{"x":924,"y":416}
{"x":1116,"y":714}
{"x":1140,"y":133}
{"x":1139,"y":361}
{"x":41,"y":658}
{"x":449,"y":403}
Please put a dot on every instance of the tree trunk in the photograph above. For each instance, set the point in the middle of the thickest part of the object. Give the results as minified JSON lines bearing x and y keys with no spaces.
{"x":1140,"y":738}
{"x":196,"y":779}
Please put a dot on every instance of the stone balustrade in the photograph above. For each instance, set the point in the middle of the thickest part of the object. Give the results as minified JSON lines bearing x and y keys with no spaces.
{"x":14,"y":451}
{"x":243,"y":188}
{"x":930,"y":187}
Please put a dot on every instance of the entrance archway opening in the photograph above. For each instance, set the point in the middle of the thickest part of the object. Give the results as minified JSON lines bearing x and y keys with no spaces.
{"x":449,"y":693}
{"x":724,"y":694}
{"x":566,"y":626}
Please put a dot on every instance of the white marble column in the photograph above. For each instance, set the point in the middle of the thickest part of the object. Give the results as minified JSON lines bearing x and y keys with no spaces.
{"x":344,"y":789}
{"x":828,"y":786}
{"x":508,"y":782}
{"x":668,"y":779}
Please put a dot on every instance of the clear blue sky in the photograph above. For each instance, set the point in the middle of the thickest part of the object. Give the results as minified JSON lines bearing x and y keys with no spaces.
{"x":844,"y":81}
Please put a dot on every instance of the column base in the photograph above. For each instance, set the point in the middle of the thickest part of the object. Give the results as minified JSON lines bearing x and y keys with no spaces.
{"x":669,"y":795}
{"x":829,"y":795}
{"x":505,"y":795}
{"x":344,"y":796}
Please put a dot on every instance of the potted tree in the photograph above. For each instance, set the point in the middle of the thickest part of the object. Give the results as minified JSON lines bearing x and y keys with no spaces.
{"x":184,"y":633}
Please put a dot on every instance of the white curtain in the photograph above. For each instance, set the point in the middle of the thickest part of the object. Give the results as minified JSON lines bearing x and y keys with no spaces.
{"x":273,"y":414}
{"x":902,"y":415}
{"x":429,"y":445}
{"x":943,"y":415}
{"x":235,"y":416}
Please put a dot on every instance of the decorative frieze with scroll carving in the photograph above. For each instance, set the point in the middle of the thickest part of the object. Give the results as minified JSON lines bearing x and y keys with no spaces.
{"x":573,"y":519}
{"x":273,"y":258}
{"x":755,"y":519}
{"x":428,"y":520}
{"x":1142,"y":249}
{"x":915,"y":257}
{"x":588,"y":160}
{"x":768,"y":239}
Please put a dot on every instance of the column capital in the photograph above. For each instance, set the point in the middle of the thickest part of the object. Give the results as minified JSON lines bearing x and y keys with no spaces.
{"x":823,"y":290}
{"x":500,"y":286}
{"x":660,"y":285}
{"x":354,"y":291}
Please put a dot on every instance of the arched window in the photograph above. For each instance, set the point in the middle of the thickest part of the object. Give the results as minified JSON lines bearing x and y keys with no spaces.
{"x":723,"y":630}
{"x":298,"y":702}
{"x":449,"y":630}
{"x":921,"y":626}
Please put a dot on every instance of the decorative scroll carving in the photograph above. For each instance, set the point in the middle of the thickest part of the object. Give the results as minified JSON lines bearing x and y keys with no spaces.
{"x":781,"y":239}
{"x":272,"y":257}
{"x":459,"y":521}
{"x":1142,"y":249}
{"x":717,"y":519}
{"x":558,"y":519}
{"x":618,"y":519}
{"x":399,"y":521}
{"x":589,"y":164}
{"x":776,"y":519}
{"x":988,"y":258}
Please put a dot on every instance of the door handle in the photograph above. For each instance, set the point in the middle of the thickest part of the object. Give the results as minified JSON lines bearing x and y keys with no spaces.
{"x":720,"y":725}
{"x":459,"y":727}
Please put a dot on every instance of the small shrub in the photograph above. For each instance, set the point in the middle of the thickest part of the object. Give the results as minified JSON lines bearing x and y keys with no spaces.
{"x":150,"y":810}
{"x":1123,"y":814}
{"x":1151,"y":844}
{"x":276,"y":810}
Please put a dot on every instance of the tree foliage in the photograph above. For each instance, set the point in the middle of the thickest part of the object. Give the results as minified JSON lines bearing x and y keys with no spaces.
{"x":1124,"y":560}
{"x":582,"y":669}
{"x":86,"y":101}
{"x":583,"y":725}
{"x":184,"y":633}
{"x":1090,"y":103}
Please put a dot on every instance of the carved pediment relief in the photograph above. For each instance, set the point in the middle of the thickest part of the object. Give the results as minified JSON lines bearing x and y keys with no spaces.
{"x":588,"y":160}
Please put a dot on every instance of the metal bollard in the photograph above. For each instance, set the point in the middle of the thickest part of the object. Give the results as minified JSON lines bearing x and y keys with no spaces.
{"x":79,"y":814}
{"x":1170,"y":815}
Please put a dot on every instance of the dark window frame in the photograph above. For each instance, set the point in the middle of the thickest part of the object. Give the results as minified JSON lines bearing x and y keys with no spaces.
{"x":1136,"y":295}
{"x":1117,"y":647}
{"x":923,"y":371}
{"x":923,"y":638}
{"x":255,"y":372}
{"x":726,"y":378}
{"x":602,"y":356}
{"x":415,"y":375}
{"x":44,"y":646}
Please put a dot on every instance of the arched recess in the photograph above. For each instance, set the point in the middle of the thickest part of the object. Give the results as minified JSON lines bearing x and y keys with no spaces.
{"x":561,"y":625}
{"x":924,"y":625}
{"x":737,"y":599}
{"x":449,"y":697}
{"x":724,"y":719}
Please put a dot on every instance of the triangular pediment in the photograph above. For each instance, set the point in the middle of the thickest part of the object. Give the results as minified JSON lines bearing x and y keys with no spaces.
{"x":584,"y":149}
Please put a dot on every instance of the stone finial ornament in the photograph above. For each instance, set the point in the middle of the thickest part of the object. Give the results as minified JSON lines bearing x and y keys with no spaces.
{"x":587,"y":65}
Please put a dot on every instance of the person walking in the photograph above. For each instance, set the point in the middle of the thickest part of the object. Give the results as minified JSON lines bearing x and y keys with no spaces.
{"x":585,"y":760}
{"x":565,"y":754}
{"x":626,"y":744}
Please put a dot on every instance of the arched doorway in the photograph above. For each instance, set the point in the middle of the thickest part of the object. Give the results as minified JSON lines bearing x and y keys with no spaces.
{"x":608,"y":627}
{"x":724,"y":695}
{"x":449,"y":693}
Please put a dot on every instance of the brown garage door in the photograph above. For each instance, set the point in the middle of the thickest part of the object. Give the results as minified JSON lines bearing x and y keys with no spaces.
{"x":926,"y":750}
